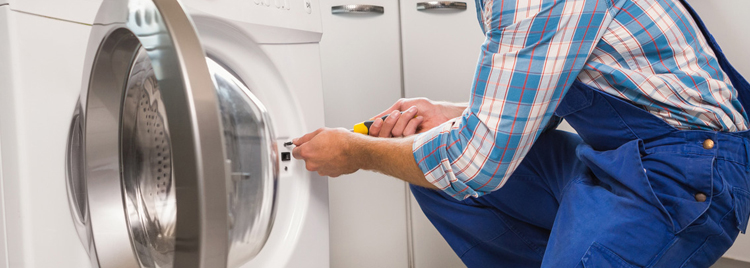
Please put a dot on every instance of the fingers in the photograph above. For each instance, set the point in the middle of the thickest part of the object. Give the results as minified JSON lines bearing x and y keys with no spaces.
{"x":395,"y":106}
{"x":375,"y":127}
{"x":307,"y":137}
{"x":408,"y":115}
{"x":411,"y":128}
{"x":390,"y":121}
{"x":297,"y":152}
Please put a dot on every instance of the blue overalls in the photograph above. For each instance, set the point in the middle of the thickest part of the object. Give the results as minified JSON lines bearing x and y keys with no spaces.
{"x":630,"y":191}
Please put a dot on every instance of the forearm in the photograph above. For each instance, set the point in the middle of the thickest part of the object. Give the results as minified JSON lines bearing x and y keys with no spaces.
{"x":392,"y":157}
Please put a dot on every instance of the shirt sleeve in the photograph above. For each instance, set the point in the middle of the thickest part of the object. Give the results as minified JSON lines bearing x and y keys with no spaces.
{"x":532,"y":53}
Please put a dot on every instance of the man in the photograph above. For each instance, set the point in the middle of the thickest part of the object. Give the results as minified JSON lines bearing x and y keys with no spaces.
{"x":657,"y":177}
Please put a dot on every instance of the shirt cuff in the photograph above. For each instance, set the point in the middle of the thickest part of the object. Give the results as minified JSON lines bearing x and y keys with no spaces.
{"x":430,"y":153}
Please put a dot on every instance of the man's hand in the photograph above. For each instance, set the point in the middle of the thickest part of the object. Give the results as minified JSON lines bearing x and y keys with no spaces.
{"x":336,"y":151}
{"x":328,"y":151}
{"x":429,"y":114}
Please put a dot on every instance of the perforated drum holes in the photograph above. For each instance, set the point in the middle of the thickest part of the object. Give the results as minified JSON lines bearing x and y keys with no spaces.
{"x":147,"y":167}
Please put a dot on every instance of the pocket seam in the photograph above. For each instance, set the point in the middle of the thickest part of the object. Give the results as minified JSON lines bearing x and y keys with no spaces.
{"x":663,"y":208}
{"x":743,"y":196}
{"x":612,"y":256}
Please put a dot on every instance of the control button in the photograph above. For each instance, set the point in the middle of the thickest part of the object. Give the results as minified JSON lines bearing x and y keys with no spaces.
{"x":308,"y":6}
{"x":286,"y":156}
{"x":700,"y":197}
{"x":708,"y":144}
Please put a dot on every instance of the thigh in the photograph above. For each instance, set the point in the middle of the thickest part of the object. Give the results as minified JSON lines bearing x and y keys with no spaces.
{"x":534,"y":191}
{"x":509,"y":227}
{"x":633,"y":210}
{"x":596,"y":226}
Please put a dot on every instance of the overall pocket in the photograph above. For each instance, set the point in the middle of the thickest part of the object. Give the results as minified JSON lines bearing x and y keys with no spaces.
{"x":741,"y":208}
{"x":678,"y":185}
{"x":599,"y":256}
{"x":683,"y":184}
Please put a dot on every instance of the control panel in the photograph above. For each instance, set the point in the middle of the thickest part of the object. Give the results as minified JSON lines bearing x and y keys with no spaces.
{"x":299,"y":15}
{"x":284,"y":4}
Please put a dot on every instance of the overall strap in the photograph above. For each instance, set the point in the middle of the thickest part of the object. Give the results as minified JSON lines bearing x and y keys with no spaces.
{"x":739,"y":82}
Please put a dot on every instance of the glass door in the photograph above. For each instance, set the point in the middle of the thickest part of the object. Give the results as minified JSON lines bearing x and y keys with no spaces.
{"x":171,"y":159}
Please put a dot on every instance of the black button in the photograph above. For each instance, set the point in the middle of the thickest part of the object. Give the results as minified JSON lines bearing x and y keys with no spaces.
{"x":700,"y":197}
{"x":286,"y":156}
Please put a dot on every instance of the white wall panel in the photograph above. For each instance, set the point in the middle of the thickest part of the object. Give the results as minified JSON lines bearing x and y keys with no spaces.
{"x":440,"y":50}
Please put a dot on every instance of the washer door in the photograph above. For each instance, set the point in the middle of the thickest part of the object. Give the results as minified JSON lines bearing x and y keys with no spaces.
{"x":171,"y":160}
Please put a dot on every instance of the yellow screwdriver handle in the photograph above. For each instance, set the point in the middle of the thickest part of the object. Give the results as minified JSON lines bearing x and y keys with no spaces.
{"x":364,"y":127}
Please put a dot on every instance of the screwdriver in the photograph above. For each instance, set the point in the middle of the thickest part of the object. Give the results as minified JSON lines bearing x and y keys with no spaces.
{"x":361,"y":127}
{"x":364,"y":127}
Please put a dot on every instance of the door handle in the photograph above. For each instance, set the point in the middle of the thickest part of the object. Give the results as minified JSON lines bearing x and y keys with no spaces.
{"x":441,"y":5}
{"x":354,"y":9}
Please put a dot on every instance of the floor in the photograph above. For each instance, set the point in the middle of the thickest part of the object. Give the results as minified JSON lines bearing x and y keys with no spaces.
{"x":729,"y":263}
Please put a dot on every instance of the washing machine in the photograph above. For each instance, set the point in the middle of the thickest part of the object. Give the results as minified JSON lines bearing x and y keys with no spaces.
{"x":174,"y":150}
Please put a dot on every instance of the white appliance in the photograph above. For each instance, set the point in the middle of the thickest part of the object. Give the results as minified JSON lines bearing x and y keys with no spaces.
{"x":174,"y":155}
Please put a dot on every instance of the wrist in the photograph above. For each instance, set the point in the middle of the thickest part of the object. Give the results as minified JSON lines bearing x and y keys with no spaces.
{"x":452,"y":109}
{"x":359,"y":151}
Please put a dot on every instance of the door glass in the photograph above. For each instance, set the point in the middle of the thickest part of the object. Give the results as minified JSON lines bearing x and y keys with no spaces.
{"x":147,"y":178}
{"x":251,"y":161}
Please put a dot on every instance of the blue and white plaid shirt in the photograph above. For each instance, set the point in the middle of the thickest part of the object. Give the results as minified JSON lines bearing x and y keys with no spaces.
{"x":648,"y":52}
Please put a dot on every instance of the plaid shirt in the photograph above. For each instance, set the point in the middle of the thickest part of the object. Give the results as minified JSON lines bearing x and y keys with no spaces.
{"x":648,"y":52}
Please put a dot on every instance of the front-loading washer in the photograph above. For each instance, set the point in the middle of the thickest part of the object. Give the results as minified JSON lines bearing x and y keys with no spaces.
{"x":174,"y":154}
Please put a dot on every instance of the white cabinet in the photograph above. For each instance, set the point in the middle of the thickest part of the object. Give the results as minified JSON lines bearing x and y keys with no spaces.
{"x":441,"y":47}
{"x":361,"y":61}
{"x":362,"y":75}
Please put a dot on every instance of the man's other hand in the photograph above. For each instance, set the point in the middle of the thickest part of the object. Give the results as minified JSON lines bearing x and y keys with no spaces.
{"x":420,"y":115}
{"x":329,"y":151}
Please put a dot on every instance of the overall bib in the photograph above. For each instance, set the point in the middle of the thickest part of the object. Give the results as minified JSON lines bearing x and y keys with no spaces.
{"x":628,"y":191}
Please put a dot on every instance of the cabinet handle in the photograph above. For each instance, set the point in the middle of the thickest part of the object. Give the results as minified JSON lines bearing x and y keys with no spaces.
{"x":343,"y":9}
{"x":441,"y":5}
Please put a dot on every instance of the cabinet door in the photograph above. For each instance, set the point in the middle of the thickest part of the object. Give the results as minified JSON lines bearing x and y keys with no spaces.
{"x":361,"y":77}
{"x":441,"y":45}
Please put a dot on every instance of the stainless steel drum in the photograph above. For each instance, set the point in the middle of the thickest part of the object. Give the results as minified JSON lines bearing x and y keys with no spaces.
{"x":171,"y":159}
